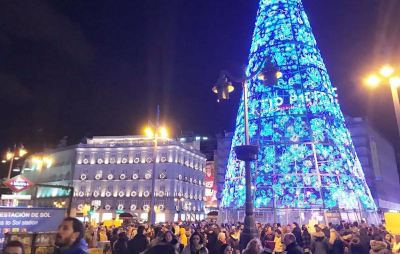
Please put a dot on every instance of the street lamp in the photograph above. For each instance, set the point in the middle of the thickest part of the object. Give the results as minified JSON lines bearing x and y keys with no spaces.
{"x":386,"y":74}
{"x":15,"y":154}
{"x":154,"y":132}
{"x":247,"y":153}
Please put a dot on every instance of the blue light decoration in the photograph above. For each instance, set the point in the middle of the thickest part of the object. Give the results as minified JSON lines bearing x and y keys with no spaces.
{"x":307,"y":158}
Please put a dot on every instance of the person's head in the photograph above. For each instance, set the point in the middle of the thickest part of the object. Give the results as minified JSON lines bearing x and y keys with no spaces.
{"x":169,"y":236}
{"x":122,"y":235}
{"x":388,"y":237}
{"x":70,"y":232}
{"x":203,"y":250}
{"x":289,"y":238}
{"x":196,"y":239}
{"x":254,"y":246}
{"x":317,"y":228}
{"x":304,"y":228}
{"x":278,"y":232}
{"x":140,"y":230}
{"x":226,"y":249}
{"x":222,"y":237}
{"x":14,"y":247}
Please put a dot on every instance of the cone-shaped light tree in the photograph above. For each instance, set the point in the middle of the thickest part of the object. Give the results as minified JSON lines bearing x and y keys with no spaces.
{"x":306,"y":157}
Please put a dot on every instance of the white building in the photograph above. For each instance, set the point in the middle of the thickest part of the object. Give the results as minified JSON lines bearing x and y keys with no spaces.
{"x":113,"y":174}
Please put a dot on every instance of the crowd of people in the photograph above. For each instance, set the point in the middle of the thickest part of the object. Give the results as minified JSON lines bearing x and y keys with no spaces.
{"x":74,"y":237}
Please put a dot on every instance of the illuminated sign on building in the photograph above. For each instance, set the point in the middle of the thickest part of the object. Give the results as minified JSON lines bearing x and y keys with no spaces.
{"x":18,"y":183}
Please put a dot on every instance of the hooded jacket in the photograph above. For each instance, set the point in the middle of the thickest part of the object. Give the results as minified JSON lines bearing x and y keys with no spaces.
{"x":378,"y":247}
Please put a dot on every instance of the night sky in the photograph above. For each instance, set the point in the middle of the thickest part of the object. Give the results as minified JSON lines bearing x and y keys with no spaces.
{"x":93,"y":67}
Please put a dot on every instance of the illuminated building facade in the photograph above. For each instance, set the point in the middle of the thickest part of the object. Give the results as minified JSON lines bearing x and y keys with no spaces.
{"x":113,"y":175}
{"x":307,"y":165}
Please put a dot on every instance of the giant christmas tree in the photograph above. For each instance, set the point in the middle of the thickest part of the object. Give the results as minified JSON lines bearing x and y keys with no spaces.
{"x":306,"y":158}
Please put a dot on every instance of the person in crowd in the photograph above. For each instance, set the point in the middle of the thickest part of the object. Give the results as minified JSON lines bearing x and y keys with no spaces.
{"x":378,"y":246}
{"x":306,"y":239}
{"x":396,"y":245}
{"x":159,"y":237}
{"x":290,"y":242}
{"x":212,"y":239}
{"x":279,"y":248}
{"x":103,"y":234}
{"x":225,"y":249}
{"x":195,"y":244}
{"x":139,"y":243}
{"x":336,"y":244}
{"x":13,"y":247}
{"x":182,"y":237}
{"x":114,"y":237}
{"x":253,"y":247}
{"x":121,"y":245}
{"x":297,"y":233}
{"x":203,"y":250}
{"x":221,"y":240}
{"x":161,"y":248}
{"x":356,"y":247}
{"x":319,"y":243}
{"x":233,"y":240}
{"x":70,"y":237}
{"x":388,"y":240}
{"x":268,"y":238}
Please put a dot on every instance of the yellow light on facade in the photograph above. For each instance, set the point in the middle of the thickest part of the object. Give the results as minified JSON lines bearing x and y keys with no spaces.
{"x":386,"y":71}
{"x":395,"y":81}
{"x":9,"y":155}
{"x":163,"y":132}
{"x":373,"y":81}
{"x":278,"y":74}
{"x":22,"y":151}
{"x":48,"y":161}
{"x":149,"y":132}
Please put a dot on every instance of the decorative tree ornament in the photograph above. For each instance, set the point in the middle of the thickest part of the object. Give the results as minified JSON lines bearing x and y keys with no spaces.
{"x":100,"y":161}
{"x":81,"y":194}
{"x":146,"y":193}
{"x":98,"y":176}
{"x":124,"y":160}
{"x":133,"y":193}
{"x":133,"y":207}
{"x":121,"y":194}
{"x":135,"y":176}
{"x":149,"y":160}
{"x":122,"y":176}
{"x":107,"y":207}
{"x":96,"y":194}
{"x":296,"y":122}
{"x":163,"y":159}
{"x":136,"y":160}
{"x":146,"y":207}
{"x":85,"y":161}
{"x":120,"y":207}
{"x":108,"y":194}
{"x":110,"y":176}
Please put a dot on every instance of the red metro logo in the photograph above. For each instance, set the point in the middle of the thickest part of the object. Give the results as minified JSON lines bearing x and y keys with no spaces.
{"x":18,"y":183}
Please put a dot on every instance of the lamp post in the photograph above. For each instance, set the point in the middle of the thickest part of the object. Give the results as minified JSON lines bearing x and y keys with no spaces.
{"x":154,"y":133}
{"x":15,"y":154}
{"x":246,"y":152}
{"x":387,"y":74}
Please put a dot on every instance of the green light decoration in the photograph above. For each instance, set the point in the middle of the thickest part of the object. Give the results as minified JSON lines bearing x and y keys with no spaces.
{"x":307,"y":158}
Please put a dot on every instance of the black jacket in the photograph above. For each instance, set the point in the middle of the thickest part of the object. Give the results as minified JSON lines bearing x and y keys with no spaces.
{"x":294,"y":248}
{"x":138,"y":244}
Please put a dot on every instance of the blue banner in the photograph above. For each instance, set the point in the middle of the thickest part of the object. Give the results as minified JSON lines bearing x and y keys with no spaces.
{"x":29,"y":220}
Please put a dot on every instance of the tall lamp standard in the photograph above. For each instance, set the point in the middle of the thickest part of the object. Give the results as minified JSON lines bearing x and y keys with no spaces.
{"x":387,"y":75}
{"x":154,"y":132}
{"x":246,"y":152}
{"x":12,"y":155}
